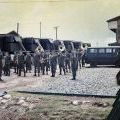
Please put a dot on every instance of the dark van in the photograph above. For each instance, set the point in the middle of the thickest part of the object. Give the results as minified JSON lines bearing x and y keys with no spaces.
{"x":103,"y":56}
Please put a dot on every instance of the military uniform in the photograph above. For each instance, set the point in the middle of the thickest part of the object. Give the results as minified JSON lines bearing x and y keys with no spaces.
{"x":74,"y":67}
{"x":28,"y":62}
{"x":15,"y":59}
{"x":7,"y":65}
{"x":45,"y":63}
{"x":67,"y":62}
{"x":37,"y":64}
{"x":53,"y":64}
{"x":79,"y":56}
{"x":1,"y":65}
{"x":61,"y":62}
{"x":21,"y":64}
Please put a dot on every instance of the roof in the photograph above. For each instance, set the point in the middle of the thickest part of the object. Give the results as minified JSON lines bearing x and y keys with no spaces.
{"x":114,"y":19}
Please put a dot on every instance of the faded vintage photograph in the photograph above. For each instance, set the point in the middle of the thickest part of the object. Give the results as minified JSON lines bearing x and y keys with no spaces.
{"x":59,"y":60}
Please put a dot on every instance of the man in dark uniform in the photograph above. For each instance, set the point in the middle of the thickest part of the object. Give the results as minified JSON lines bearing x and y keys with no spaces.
{"x":53,"y":63}
{"x":37,"y":63}
{"x":1,"y":65}
{"x":7,"y":64}
{"x":67,"y":62}
{"x":28,"y":62}
{"x":74,"y":65}
{"x":21,"y":64}
{"x":61,"y":62}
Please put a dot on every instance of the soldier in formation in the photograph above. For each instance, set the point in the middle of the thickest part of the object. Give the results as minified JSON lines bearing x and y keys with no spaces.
{"x":28,"y":62}
{"x":1,"y":65}
{"x":53,"y":63}
{"x":21,"y":64}
{"x":42,"y":61}
{"x":15,"y":65}
{"x":74,"y":65}
{"x":61,"y":62}
{"x":7,"y":64}
{"x":37,"y":63}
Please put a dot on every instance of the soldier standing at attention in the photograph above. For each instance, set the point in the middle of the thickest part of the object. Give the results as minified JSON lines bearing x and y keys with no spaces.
{"x":1,"y":65}
{"x":37,"y":63}
{"x":7,"y":64}
{"x":74,"y":65}
{"x":67,"y":61}
{"x":28,"y":62}
{"x":15,"y":59}
{"x":61,"y":62}
{"x":21,"y":64}
{"x":53,"y":64}
{"x":45,"y":63}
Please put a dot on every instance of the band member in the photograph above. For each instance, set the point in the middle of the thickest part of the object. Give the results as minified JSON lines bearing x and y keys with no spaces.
{"x":1,"y":65}
{"x":53,"y":64}
{"x":61,"y":62}
{"x":37,"y":63}
{"x":7,"y":64}
{"x":28,"y":62}
{"x":21,"y":64}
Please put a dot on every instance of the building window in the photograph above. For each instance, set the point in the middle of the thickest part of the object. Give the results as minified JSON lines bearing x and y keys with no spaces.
{"x":93,"y":50}
{"x":108,"y":50}
{"x":101,"y":50}
{"x":114,"y":50}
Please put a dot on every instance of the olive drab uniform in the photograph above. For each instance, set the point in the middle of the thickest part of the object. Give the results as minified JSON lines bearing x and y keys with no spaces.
{"x":61,"y":62}
{"x":67,"y":62}
{"x":1,"y":65}
{"x":15,"y":60}
{"x":74,"y":66}
{"x":79,"y":56}
{"x":21,"y":64}
{"x":37,"y":64}
{"x":7,"y":65}
{"x":53,"y":64}
{"x":45,"y":63}
{"x":28,"y":63}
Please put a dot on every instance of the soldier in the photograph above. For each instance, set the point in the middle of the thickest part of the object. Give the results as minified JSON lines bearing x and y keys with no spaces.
{"x":21,"y":64}
{"x":28,"y":62}
{"x":7,"y":64}
{"x":1,"y":65}
{"x":61,"y":62}
{"x":74,"y":66}
{"x":53,"y":64}
{"x":79,"y":56}
{"x":45,"y":63}
{"x":15,"y":59}
{"x":37,"y":63}
{"x":67,"y":62}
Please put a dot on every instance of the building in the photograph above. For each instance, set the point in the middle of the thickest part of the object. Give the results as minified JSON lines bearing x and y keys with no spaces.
{"x":114,"y":25}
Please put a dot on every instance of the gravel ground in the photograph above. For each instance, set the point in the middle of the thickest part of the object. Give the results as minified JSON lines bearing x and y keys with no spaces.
{"x":93,"y":81}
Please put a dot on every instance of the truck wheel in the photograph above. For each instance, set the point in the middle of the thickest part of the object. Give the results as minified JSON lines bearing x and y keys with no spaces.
{"x":93,"y":64}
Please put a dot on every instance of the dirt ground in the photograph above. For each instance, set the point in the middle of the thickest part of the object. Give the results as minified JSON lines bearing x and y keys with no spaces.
{"x":45,"y":107}
{"x":42,"y":107}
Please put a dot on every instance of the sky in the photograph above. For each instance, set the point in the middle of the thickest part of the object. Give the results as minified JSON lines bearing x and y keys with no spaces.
{"x":79,"y":20}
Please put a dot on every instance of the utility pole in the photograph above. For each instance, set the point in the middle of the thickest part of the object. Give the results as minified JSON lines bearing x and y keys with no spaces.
{"x":17,"y":28}
{"x":56,"y":30}
{"x":40,"y":30}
